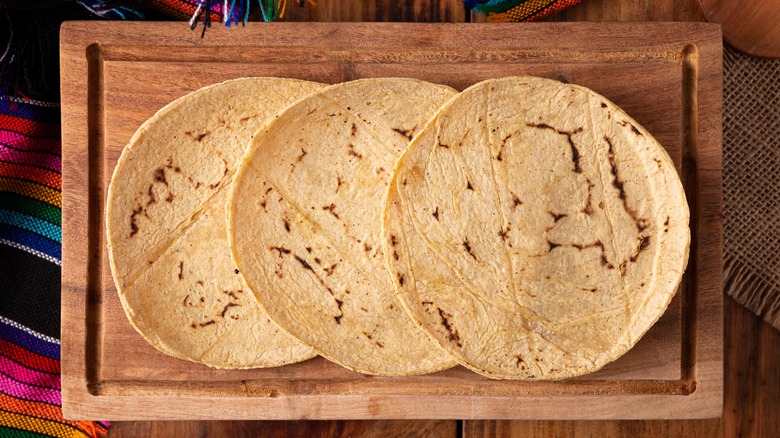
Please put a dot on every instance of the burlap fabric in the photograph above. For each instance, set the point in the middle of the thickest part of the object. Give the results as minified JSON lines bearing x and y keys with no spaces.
{"x":751,"y":182}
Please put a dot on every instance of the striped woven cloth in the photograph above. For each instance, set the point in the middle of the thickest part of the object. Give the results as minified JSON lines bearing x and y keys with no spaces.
{"x":518,"y":10}
{"x":30,"y":254}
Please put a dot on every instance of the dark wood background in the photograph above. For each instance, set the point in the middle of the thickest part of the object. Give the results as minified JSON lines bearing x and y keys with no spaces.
{"x":752,"y":350}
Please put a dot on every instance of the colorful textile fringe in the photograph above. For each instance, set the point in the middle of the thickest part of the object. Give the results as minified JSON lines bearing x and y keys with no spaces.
{"x":229,"y":12}
{"x":518,"y":10}
{"x":30,"y":254}
{"x":30,"y":387}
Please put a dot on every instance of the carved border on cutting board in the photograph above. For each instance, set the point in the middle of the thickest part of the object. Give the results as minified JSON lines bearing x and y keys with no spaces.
{"x":97,"y":182}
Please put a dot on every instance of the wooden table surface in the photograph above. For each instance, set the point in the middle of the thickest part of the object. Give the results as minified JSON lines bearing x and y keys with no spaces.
{"x":752,"y":350}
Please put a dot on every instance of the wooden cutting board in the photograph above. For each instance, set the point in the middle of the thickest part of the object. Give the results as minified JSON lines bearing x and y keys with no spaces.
{"x":116,"y":75}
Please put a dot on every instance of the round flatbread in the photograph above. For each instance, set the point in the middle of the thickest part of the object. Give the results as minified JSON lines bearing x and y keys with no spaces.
{"x":305,"y":222}
{"x":535,"y":230}
{"x":166,"y":230}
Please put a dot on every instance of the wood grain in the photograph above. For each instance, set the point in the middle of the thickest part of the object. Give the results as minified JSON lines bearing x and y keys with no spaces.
{"x":752,"y":396}
{"x":750,"y":26}
{"x":281,"y":429}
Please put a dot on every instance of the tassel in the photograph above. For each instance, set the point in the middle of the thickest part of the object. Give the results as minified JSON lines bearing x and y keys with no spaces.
{"x":233,"y":12}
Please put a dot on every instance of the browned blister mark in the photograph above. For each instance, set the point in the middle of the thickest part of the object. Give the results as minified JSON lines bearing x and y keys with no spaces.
{"x":600,"y":245}
{"x":339,"y":182}
{"x":631,"y":125}
{"x":640,"y":223}
{"x":401,"y":279}
{"x":354,"y":129}
{"x":181,"y":270}
{"x":364,"y":309}
{"x":199,"y":282}
{"x":588,"y":210}
{"x":297,"y":160}
{"x":575,"y":153}
{"x":186,"y":302}
{"x":518,"y":360}
{"x":500,"y":156}
{"x":557,"y":216}
{"x":666,"y":224}
{"x":203,"y":324}
{"x":307,"y":266}
{"x":231,"y":294}
{"x":468,"y":185}
{"x":644,"y":242}
{"x":329,"y":271}
{"x":395,"y":255}
{"x":575,"y":156}
{"x":452,"y":332}
{"x":467,"y":247}
{"x":197,"y":136}
{"x":195,"y":184}
{"x":406,"y":133}
{"x":243,"y":120}
{"x":371,"y":338}
{"x":515,"y":201}
{"x":393,"y":240}
{"x":159,"y":176}
{"x":440,"y":144}
{"x":304,"y":263}
{"x":152,"y":198}
{"x":353,"y":152}
{"x":603,"y":105}
{"x":281,"y":249}
{"x":331,"y":209}
{"x":338,"y":317}
{"x":228,"y":306}
{"x":286,"y":225}
{"x":552,"y":245}
{"x":436,"y":213}
{"x":134,"y":220}
{"x":503,"y":233}
{"x":317,"y":260}
{"x":367,"y":247}
{"x":308,"y":249}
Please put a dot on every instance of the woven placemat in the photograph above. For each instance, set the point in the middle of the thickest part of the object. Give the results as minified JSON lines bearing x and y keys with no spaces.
{"x":751,"y":182}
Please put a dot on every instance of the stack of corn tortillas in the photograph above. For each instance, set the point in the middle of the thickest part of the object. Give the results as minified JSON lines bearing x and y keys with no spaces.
{"x":523,"y":228}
